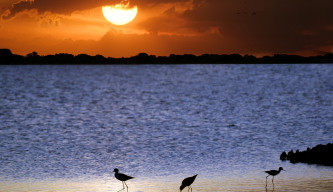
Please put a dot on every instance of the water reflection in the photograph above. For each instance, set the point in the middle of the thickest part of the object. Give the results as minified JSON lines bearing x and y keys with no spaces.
{"x":228,"y":123}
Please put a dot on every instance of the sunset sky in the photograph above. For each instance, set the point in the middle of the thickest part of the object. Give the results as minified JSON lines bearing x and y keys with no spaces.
{"x":164,"y":27}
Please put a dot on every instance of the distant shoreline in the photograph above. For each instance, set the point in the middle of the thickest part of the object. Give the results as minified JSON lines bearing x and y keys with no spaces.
{"x":7,"y":57}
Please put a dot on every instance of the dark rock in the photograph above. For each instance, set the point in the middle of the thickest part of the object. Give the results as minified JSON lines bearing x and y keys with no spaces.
{"x":290,"y":154}
{"x":320,"y":154}
{"x":283,"y":156}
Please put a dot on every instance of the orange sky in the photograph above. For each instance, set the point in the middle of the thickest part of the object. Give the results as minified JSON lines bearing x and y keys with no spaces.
{"x":164,"y":27}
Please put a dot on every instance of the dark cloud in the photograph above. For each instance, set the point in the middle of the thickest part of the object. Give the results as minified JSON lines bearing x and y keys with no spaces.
{"x":69,"y":6}
{"x":17,"y":7}
{"x":266,"y":26}
{"x":59,"y":6}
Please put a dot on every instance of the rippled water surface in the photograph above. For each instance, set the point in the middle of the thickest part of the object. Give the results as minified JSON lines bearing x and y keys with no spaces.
{"x":65,"y":128}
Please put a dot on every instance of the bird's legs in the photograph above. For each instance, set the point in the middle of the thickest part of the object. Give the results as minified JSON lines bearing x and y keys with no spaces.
{"x":126,"y":186}
{"x":189,"y":187}
{"x":266,"y":180}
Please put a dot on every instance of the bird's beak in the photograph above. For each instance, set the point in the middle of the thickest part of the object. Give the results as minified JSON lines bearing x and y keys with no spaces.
{"x":284,"y":170}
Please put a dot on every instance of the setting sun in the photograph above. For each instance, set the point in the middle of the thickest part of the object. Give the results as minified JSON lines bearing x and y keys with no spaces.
{"x":163,"y":28}
{"x":119,"y":14}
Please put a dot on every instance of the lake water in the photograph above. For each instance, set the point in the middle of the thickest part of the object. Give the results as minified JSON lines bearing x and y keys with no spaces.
{"x":65,"y":128}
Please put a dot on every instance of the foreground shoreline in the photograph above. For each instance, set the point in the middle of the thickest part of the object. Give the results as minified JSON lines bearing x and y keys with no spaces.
{"x":7,"y":57}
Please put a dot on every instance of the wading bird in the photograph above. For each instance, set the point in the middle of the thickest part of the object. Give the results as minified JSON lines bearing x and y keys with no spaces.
{"x":273,"y":173}
{"x":187,"y":182}
{"x":122,"y":177}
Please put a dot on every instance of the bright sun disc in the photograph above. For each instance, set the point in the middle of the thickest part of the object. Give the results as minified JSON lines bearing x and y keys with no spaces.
{"x":119,"y":14}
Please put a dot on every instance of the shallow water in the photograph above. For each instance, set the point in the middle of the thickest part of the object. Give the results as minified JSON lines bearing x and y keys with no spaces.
{"x":65,"y":128}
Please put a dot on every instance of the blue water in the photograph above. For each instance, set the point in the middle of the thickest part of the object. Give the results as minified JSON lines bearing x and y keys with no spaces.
{"x":163,"y":122}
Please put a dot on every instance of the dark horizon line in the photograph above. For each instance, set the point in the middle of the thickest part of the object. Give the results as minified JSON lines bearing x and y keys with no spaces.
{"x":7,"y":57}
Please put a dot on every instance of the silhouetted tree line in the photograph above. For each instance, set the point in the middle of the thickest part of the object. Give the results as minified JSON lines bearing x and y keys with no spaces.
{"x":320,"y":154}
{"x":6,"y":57}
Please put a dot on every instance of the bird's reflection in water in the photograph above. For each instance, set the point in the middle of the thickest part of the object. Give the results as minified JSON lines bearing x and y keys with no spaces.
{"x":269,"y":190}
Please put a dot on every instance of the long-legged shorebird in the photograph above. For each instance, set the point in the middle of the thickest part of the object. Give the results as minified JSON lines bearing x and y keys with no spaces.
{"x":273,"y":173}
{"x":187,"y":182}
{"x":122,"y":177}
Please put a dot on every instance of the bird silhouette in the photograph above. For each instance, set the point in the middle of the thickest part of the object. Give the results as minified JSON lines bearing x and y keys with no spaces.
{"x":187,"y":182}
{"x":122,"y":177}
{"x":273,"y":173}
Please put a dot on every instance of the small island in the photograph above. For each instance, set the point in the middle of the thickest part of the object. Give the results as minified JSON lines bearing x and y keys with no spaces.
{"x":7,"y":57}
{"x":320,"y":154}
